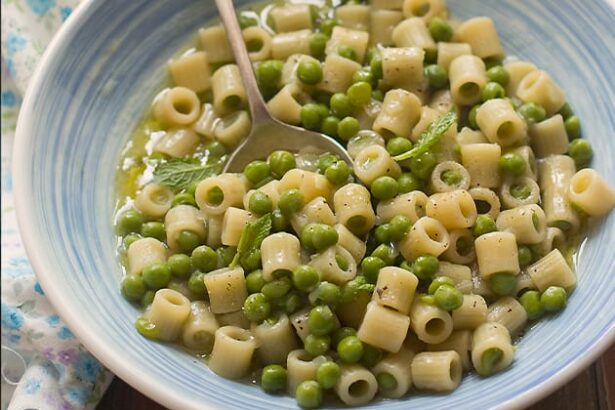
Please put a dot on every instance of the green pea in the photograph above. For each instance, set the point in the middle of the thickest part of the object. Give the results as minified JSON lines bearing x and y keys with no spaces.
{"x":316,"y":345}
{"x":428,"y":299}
{"x":347,"y":128}
{"x":431,"y":55}
{"x":512,"y":163}
{"x":309,"y":72}
{"x":325,"y":161}
{"x":347,"y":52}
{"x":448,"y":297}
{"x":491,"y":62}
{"x":291,"y":302}
{"x":310,"y":116}
{"x":226,"y":255}
{"x":370,"y":266}
{"x":279,"y":223}
{"x":130,"y":221}
{"x":503,"y":284}
{"x":573,"y":127}
{"x":490,"y":359}
{"x":290,"y":201}
{"x":309,"y":394}
{"x":130,"y":239}
{"x":146,"y":328}
{"x":375,"y":65}
{"x":371,"y":355}
{"x":383,"y":233}
{"x":188,"y":240}
{"x":215,"y":149}
{"x":148,"y":298}
{"x":196,"y":284}
{"x":340,"y":105}
{"x":276,"y":289}
{"x":255,"y":281}
{"x":472,"y":117}
{"x":439,"y":281}
{"x":328,"y":374}
{"x":273,"y":378}
{"x":321,"y":320}
{"x":363,"y":75}
{"x":307,"y":235}
{"x":398,"y":145}
{"x":329,"y":125}
{"x":530,"y":301}
{"x":153,"y":230}
{"x":204,"y":258}
{"x":351,"y":289}
{"x":281,"y":162}
{"x":581,"y":152}
{"x":440,"y":30}
{"x":342,"y":262}
{"x":451,"y":177}
{"x":318,"y":44}
{"x":498,"y":74}
{"x":326,"y":26}
{"x":386,"y":253}
{"x":378,"y":95}
{"x":400,"y":225}
{"x":338,"y":172}
{"x":525,"y":256}
{"x":180,"y":265}
{"x":327,"y":293}
{"x":360,"y":93}
{"x":350,"y":349}
{"x":484,"y":224}
{"x":520,"y":191}
{"x":386,"y":381}
{"x":133,"y":287}
{"x":553,"y":299}
{"x":305,"y":278}
{"x":269,"y":72}
{"x":256,"y":171}
{"x":157,"y":275}
{"x":341,"y":333}
{"x":384,"y":187}
{"x":423,"y":164}
{"x":408,"y":182}
{"x":256,"y":307}
{"x":436,"y":75}
{"x":183,"y":198}
{"x":492,"y":91}
{"x":324,"y":237}
{"x":260,"y":203}
{"x":425,"y":267}
{"x":566,"y":111}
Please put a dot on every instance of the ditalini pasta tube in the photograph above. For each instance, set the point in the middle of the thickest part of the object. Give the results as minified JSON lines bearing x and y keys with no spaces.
{"x":280,"y":252}
{"x":438,"y":371}
{"x":467,"y":76}
{"x":382,"y":24}
{"x":398,"y":366}
{"x":291,"y":17}
{"x":426,"y":9}
{"x":403,"y":68}
{"x":315,"y":211}
{"x":258,"y":42}
{"x":508,"y":312}
{"x":556,"y":173}
{"x":459,"y":341}
{"x":461,"y":249}
{"x":427,"y":236}
{"x":455,"y":209}
{"x":487,"y":201}
{"x":353,"y":208}
{"x":413,"y":32}
{"x":283,"y":45}
{"x":335,"y":265}
{"x":399,"y":114}
{"x":383,"y":327}
{"x":356,"y":385}
{"x":178,"y":142}
{"x":232,"y":352}
{"x":395,"y":288}
{"x":347,"y":240}
{"x":549,"y":137}
{"x":214,"y":195}
{"x":286,"y":104}
{"x":516,"y":192}
{"x":215,"y":44}
{"x":447,"y":52}
{"x":227,"y":290}
{"x":233,"y":128}
{"x":516,"y":71}
{"x":206,"y":122}
{"x":357,"y":40}
{"x":337,"y":73}
{"x":528,"y":223}
{"x":233,"y":224}
{"x":183,"y":218}
{"x":531,"y":170}
{"x":191,"y":71}
{"x":496,"y":252}
{"x":430,"y":323}
{"x":481,"y":162}
{"x":500,"y":123}
{"x":200,"y":328}
{"x":554,"y":239}
{"x":168,"y":313}
{"x":411,"y":204}
{"x":552,"y":270}
{"x":301,"y":366}
{"x":354,"y":16}
{"x":311,"y":184}
{"x":276,"y":340}
{"x":537,"y":86}
{"x":227,"y":86}
{"x":145,"y":252}
{"x":470,"y":136}
{"x":373,"y":162}
{"x":236,"y":318}
{"x":591,"y":192}
{"x":154,"y":200}
{"x":177,"y":106}
{"x":492,"y":349}
{"x":471,"y":314}
{"x":480,"y":34}
{"x":461,"y":178}
{"x":460,"y":274}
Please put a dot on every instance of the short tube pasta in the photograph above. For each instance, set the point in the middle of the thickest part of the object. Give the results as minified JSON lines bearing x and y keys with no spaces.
{"x":383,"y":327}
{"x":226,"y":288}
{"x":356,"y":385}
{"x":528,"y":223}
{"x":438,"y":371}
{"x":233,"y":224}
{"x":427,"y":236}
{"x":395,"y":288}
{"x":199,"y":330}
{"x":178,"y":142}
{"x":516,"y":71}
{"x":528,"y":192}
{"x":191,"y":71}
{"x":317,"y":210}
{"x":232,"y":352}
{"x":487,"y":338}
{"x":168,"y":313}
{"x":373,"y":162}
{"x":258,"y":42}
{"x":355,"y":17}
{"x":556,"y":173}
{"x":283,"y":45}
{"x":461,"y":249}
{"x":382,"y":23}
{"x":426,"y":9}
{"x":183,"y":218}
{"x":215,"y":44}
{"x":285,"y":105}
{"x":353,"y":209}
{"x":549,"y":137}
{"x":471,"y":314}
{"x":537,"y":86}
{"x":500,"y":123}
{"x":357,"y":40}
{"x":481,"y":35}
{"x":337,"y":73}
{"x":214,"y":195}
{"x":439,"y":186}
{"x":459,"y":341}
{"x":486,"y":201}
{"x":311,"y":184}
{"x":552,"y":270}
{"x":177,"y":106}
{"x":467,"y":76}
{"x":411,"y":204}
{"x":280,"y":252}
{"x":455,"y":209}
{"x":481,"y":162}
{"x":413,"y":32}
{"x":447,"y":52}
{"x":291,"y":17}
{"x":509,"y":312}
{"x":227,"y":86}
{"x":460,"y":274}
{"x":399,"y":114}
{"x":145,"y":252}
{"x":396,"y":365}
{"x":403,"y":68}
{"x":276,"y":340}
{"x":591,"y":192}
{"x":154,"y":200}
{"x":430,"y":323}
{"x":301,"y":366}
{"x":327,"y":263}
{"x":354,"y":245}
{"x":233,"y":128}
{"x":496,"y":252}
{"x":206,"y":122}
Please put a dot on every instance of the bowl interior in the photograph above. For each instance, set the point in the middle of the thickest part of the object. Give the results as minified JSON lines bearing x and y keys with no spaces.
{"x":92,"y":90}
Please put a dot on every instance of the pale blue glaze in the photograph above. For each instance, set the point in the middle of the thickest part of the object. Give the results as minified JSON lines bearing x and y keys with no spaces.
{"x":93,"y":88}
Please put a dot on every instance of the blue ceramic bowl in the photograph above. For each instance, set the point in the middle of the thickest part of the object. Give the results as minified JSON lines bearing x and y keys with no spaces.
{"x":90,"y":91}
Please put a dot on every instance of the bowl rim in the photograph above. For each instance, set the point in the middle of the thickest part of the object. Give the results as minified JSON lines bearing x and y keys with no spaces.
{"x":107,"y":356}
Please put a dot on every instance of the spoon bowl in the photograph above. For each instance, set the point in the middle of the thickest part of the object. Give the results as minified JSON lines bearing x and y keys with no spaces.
{"x":268,"y":134}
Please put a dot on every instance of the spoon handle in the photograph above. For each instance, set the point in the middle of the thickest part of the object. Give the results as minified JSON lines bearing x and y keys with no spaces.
{"x":258,"y":108}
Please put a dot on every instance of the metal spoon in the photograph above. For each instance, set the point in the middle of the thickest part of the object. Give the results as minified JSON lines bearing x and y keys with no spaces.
{"x":268,"y":134}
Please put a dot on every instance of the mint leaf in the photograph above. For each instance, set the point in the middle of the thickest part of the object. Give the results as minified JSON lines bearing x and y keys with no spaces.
{"x":181,"y":173}
{"x":251,"y":238}
{"x":430,"y":137}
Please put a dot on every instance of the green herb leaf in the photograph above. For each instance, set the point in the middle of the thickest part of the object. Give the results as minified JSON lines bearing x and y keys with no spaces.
{"x":251,"y":238}
{"x":430,"y":137}
{"x":180,"y":173}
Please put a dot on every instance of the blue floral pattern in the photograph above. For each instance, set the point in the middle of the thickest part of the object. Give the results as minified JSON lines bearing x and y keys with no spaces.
{"x":59,"y":373}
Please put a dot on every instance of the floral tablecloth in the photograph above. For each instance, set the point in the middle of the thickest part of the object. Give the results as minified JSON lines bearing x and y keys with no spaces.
{"x":43,"y":365}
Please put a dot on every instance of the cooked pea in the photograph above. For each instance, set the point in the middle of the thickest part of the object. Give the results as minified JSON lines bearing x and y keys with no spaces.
{"x":520,"y":191}
{"x":153,"y":230}
{"x":375,"y":65}
{"x":290,"y":201}
{"x":490,"y":358}
{"x":180,"y":265}
{"x":370,"y":266}
{"x":491,"y":62}
{"x":408,"y":182}
{"x":440,"y":30}
{"x":484,"y":224}
{"x":338,"y":172}
{"x":309,"y":72}
{"x":425,"y":267}
{"x":291,"y":302}
{"x":133,"y":287}
{"x":247,"y":21}
{"x":340,"y":105}
{"x":553,"y":299}
{"x":148,"y":298}
{"x":324,"y":236}
{"x":378,"y":95}
{"x":363,"y":75}
{"x":347,"y":52}
{"x":472,"y":117}
{"x":325,"y":161}
{"x":530,"y":301}
{"x":130,"y":239}
{"x":318,"y":44}
{"x":316,"y":345}
{"x":146,"y":328}
{"x":184,"y":198}
{"x":328,"y":374}
{"x":566,"y":111}
{"x":309,"y":394}
{"x":326,"y":26}
{"x":256,"y":307}
{"x":276,"y":289}
{"x":327,"y":293}
{"x":573,"y":127}
{"x":371,"y":355}
{"x":157,"y":276}
{"x":512,"y":163}
{"x":196,"y":284}
{"x":439,"y":281}
{"x":350,"y":349}
{"x":493,"y":90}
{"x":273,"y":378}
{"x":204,"y":258}
{"x":281,"y":162}
{"x":503,"y":284}
{"x":451,"y":177}
{"x":341,"y":333}
{"x":360,"y":93}
{"x":398,"y":145}
{"x":581,"y":151}
{"x":256,"y":171}
{"x":255,"y":281}
{"x":305,"y":278}
{"x":226,"y":254}
{"x":386,"y":253}
{"x":498,"y":74}
{"x":448,"y":297}
{"x":384,"y":187}
{"x":525,"y":256}
{"x":347,"y":128}
{"x":383,"y":233}
{"x":423,"y":164}
{"x":400,"y":225}
{"x":321,"y":320}
{"x":436,"y":75}
{"x":130,"y":221}
{"x":386,"y":381}
{"x":269,"y":72}
{"x":532,"y":112}
{"x":329,"y":125}
{"x":260,"y":203}
{"x":279,"y":223}
{"x":310,"y":116}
